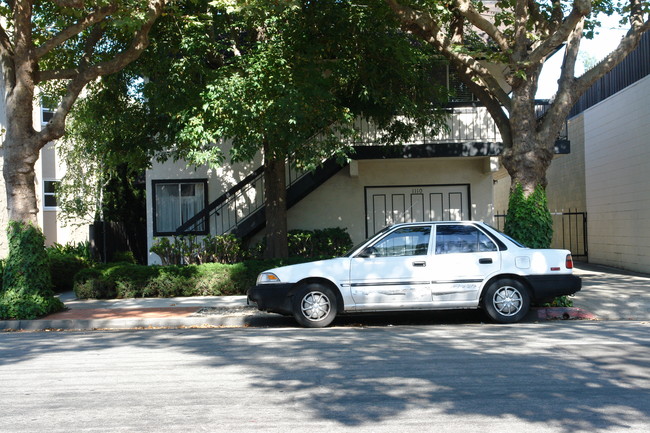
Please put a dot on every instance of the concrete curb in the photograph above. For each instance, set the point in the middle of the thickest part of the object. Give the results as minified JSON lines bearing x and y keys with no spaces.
{"x":132,"y":323}
{"x":564,"y":313}
{"x":253,"y":319}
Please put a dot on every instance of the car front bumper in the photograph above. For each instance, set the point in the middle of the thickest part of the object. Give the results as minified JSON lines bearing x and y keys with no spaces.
{"x":550,"y":286}
{"x":274,"y":298}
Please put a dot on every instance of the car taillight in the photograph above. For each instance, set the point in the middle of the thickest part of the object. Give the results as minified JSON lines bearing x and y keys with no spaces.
{"x":569,"y":261}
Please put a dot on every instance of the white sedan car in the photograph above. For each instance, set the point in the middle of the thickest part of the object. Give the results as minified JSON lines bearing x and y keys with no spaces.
{"x":421,"y":266}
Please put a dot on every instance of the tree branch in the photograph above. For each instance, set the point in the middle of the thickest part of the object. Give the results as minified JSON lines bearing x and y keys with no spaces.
{"x":581,"y":8}
{"x":625,"y":47}
{"x":88,"y":72}
{"x":468,"y":11}
{"x":7,"y":58}
{"x":565,"y":97}
{"x":74,"y":30}
{"x":520,"y":48}
{"x":427,"y":28}
{"x":539,"y":20}
{"x":75,"y":4}
{"x":6,"y":48}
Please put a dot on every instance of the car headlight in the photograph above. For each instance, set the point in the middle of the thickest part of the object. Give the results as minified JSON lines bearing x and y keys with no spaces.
{"x":267,"y":277}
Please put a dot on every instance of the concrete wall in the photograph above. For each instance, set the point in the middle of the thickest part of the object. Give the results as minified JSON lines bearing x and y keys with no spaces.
{"x":566,"y":176}
{"x":617,"y":166}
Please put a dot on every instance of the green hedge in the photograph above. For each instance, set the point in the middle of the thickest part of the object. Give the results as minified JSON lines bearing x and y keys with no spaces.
{"x":63,"y":268}
{"x":127,"y":280}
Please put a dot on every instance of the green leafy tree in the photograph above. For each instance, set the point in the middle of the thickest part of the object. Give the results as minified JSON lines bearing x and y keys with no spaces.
{"x":294,"y":85}
{"x":284,"y":79}
{"x":58,"y":47}
{"x":499,"y":48}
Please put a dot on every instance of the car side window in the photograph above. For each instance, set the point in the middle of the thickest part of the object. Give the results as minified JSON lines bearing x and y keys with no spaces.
{"x":451,"y":239}
{"x":406,"y":241}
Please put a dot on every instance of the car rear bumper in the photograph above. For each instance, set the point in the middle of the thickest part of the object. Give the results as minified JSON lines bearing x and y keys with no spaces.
{"x":551,"y":286}
{"x":271,"y":297}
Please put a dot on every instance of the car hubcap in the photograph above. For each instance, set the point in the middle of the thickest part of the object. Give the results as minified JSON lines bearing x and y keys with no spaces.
{"x":507,"y":301}
{"x":315,"y":306}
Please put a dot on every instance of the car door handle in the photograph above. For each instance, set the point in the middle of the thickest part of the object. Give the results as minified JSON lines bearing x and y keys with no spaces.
{"x":420,"y":264}
{"x":485,"y":261}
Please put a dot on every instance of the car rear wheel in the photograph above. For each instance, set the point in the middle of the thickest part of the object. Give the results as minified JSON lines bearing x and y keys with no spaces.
{"x":506,"y":301}
{"x":314,"y":306}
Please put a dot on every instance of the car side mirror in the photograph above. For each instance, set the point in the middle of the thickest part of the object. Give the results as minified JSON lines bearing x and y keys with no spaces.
{"x":369,"y":252}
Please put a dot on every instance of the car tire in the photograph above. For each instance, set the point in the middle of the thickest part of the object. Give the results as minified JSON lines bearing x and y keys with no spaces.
{"x":314,"y":306}
{"x":506,"y":301}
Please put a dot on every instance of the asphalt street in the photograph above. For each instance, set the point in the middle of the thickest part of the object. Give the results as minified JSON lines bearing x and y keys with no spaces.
{"x":559,"y":376}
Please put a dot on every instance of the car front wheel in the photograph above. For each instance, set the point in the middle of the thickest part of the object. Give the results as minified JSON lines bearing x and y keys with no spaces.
{"x":506,"y":301}
{"x":314,"y":306}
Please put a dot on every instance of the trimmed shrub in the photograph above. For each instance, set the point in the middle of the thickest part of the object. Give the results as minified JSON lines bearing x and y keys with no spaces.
{"x":123,"y":280}
{"x":63,"y":268}
{"x":124,"y":256}
{"x":191,"y":249}
{"x":26,"y":281}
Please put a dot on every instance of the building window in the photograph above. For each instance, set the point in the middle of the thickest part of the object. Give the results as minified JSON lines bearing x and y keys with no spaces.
{"x":49,"y":194}
{"x":175,"y":202}
{"x":46,"y":112}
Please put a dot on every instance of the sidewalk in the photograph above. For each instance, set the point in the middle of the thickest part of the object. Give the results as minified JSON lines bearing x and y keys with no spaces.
{"x":607,"y":294}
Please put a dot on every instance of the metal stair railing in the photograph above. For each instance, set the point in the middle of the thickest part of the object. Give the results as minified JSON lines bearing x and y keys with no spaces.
{"x":231,"y":209}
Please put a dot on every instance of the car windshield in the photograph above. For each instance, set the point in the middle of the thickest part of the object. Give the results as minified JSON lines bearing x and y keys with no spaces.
{"x":360,"y":244}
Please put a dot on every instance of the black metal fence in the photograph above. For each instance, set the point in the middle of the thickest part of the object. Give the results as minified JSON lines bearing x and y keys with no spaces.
{"x":109,"y":238}
{"x":569,"y":231}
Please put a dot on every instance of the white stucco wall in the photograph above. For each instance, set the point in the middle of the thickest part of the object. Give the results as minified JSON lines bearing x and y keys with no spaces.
{"x":617,"y":166}
{"x":56,"y":230}
{"x":340,"y":202}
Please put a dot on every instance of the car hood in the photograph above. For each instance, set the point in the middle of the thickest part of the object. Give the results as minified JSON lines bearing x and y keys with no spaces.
{"x":332,"y":269}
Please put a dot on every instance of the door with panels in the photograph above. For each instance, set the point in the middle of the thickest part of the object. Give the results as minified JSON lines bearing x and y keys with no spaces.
{"x":386,"y":205}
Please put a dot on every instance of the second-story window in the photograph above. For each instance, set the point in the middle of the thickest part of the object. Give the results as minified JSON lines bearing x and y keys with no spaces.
{"x":49,"y":194}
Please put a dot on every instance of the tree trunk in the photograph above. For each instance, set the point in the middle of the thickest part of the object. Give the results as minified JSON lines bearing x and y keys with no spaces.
{"x":19,"y":174}
{"x":529,"y":154}
{"x":21,"y":149}
{"x":275,"y":192}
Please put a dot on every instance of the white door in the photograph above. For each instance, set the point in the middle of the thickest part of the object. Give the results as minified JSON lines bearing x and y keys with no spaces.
{"x":463,"y":259}
{"x":399,"y":204}
{"x":393,"y":273}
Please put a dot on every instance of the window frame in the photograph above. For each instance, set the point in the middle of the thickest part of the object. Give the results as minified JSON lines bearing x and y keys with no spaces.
{"x":371,"y":250}
{"x":155,"y":183}
{"x":440,"y":250}
{"x":50,"y":194}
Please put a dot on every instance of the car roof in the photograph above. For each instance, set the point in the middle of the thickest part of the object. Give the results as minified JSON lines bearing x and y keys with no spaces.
{"x":437,"y":222}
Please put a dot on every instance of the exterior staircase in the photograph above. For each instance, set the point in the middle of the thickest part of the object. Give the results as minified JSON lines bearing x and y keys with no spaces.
{"x":241,"y":211}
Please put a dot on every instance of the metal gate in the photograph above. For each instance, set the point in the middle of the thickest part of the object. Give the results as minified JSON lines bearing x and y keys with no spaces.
{"x":569,"y":231}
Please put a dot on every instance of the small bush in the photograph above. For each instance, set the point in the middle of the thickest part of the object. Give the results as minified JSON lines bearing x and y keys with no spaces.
{"x":124,"y":256}
{"x":26,"y":281}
